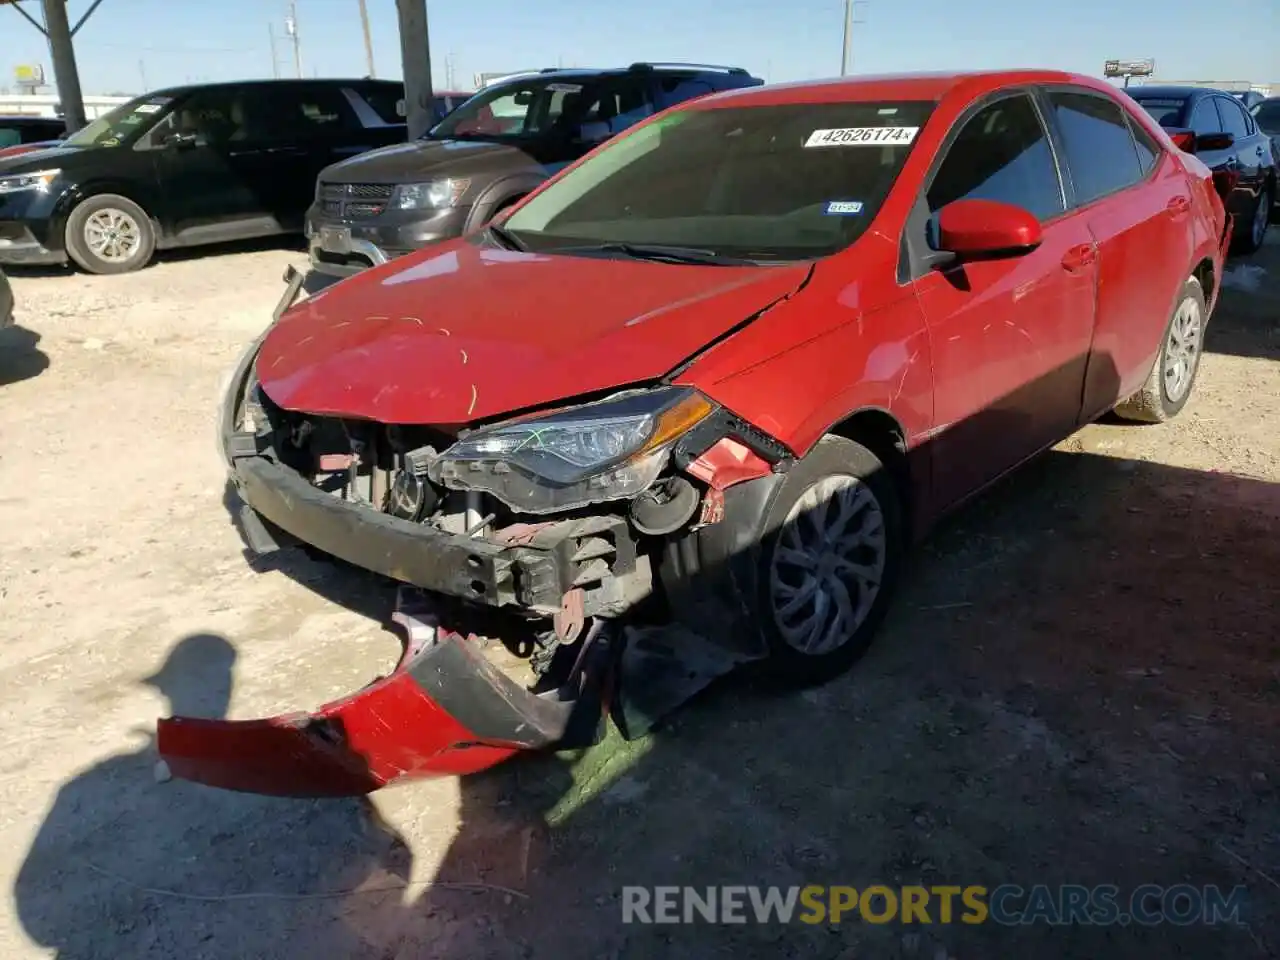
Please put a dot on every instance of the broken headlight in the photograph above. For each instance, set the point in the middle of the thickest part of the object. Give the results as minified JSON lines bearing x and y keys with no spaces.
{"x":609,"y":450}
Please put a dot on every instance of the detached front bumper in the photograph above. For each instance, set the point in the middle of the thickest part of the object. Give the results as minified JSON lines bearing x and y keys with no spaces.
{"x":444,"y":711}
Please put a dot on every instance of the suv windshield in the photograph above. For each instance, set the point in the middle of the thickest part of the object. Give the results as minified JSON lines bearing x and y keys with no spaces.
{"x":763,"y":183}
{"x":121,"y":125}
{"x":530,"y":108}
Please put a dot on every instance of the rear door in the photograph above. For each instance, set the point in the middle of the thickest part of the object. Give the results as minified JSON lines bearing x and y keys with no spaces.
{"x":1251,"y":151}
{"x":1009,"y":335}
{"x":1136,"y":201}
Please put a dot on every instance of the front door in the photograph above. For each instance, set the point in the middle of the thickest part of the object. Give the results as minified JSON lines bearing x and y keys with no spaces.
{"x":210,"y":169}
{"x":1010,"y":335}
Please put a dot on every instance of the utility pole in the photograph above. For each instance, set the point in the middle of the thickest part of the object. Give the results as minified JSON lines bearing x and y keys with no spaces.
{"x":291,"y":28}
{"x":142,"y":72}
{"x":848,"y":38}
{"x":275,"y":59}
{"x":368,"y":38}
{"x":58,"y":30}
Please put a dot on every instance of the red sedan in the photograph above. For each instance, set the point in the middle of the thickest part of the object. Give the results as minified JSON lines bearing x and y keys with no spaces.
{"x":695,"y":397}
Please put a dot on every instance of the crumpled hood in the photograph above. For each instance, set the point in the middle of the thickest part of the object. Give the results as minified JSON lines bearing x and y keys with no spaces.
{"x":424,"y":159}
{"x":462,"y":332}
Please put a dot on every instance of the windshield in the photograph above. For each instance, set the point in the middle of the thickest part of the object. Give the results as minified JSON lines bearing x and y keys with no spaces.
{"x":121,"y":125}
{"x":1267,"y":115}
{"x":1165,"y":111}
{"x":764,"y":183}
{"x":542,"y":106}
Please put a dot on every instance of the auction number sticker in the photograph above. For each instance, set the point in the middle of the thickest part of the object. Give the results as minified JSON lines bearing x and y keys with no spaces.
{"x":862,"y":137}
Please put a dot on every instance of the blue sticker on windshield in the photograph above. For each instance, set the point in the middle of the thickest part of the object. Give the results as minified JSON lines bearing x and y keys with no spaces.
{"x":843,"y":208}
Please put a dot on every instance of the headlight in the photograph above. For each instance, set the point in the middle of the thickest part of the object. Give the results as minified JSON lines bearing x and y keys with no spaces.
{"x":601,"y":451}
{"x":36,"y":180}
{"x":432,"y":195}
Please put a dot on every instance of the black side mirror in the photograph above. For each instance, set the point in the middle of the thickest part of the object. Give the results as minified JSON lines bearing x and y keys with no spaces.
{"x":1215,"y":141}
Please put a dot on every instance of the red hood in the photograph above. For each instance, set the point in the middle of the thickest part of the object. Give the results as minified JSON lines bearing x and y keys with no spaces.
{"x":461,"y":333}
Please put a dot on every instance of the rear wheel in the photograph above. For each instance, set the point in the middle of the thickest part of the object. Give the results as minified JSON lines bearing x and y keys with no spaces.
{"x":1168,"y":387}
{"x":829,"y":562}
{"x":110,"y":234}
{"x":1252,"y":238}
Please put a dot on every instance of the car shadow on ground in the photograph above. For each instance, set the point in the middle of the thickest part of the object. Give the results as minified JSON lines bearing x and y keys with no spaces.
{"x":1079,"y":684}
{"x":293,"y":242}
{"x":1247,"y":321}
{"x":20,"y":356}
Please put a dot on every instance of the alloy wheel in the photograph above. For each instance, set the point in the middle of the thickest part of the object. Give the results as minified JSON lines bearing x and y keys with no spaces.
{"x":1261,"y":218}
{"x":1182,"y":350}
{"x":112,"y":235}
{"x":828,"y":564}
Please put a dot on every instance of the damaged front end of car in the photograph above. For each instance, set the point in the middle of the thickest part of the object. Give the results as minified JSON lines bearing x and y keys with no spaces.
{"x":546,"y":554}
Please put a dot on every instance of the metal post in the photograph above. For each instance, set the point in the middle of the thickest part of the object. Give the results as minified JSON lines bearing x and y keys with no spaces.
{"x":368,"y":38}
{"x":63,"y":54}
{"x":415,"y":57}
{"x":848,"y":38}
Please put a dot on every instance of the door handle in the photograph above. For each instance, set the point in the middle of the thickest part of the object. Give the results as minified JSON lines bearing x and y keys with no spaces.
{"x":1180,"y":204}
{"x":1078,"y":257}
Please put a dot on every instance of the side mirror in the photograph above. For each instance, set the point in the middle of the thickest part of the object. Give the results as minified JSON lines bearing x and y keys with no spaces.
{"x":1183,"y":139}
{"x":1215,"y":141}
{"x":980,"y":228}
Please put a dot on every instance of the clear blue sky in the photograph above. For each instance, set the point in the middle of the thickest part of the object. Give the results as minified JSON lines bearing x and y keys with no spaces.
{"x":173,"y":41}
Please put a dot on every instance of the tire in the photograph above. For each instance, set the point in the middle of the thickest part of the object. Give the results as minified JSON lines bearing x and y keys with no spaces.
{"x":1253,"y":235}
{"x":836,"y":475}
{"x":1164,"y":395}
{"x":109,"y":234}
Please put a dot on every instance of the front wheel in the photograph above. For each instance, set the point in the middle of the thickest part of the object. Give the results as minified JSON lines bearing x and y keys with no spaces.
{"x":829,"y":562}
{"x":1168,"y":387}
{"x":110,"y":234}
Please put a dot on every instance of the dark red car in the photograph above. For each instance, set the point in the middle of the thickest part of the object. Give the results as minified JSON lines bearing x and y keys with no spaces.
{"x":715,"y":376}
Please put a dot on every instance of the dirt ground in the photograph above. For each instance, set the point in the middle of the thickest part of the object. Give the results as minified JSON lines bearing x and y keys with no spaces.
{"x":1080,"y":684}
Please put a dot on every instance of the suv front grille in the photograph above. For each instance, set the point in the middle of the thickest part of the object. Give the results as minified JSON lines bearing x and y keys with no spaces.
{"x":354,"y":201}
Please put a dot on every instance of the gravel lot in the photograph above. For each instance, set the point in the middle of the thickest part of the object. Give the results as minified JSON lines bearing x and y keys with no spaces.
{"x":1080,"y":685}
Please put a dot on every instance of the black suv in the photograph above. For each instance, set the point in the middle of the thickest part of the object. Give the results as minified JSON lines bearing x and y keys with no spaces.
{"x":485,"y":155}
{"x":186,"y":166}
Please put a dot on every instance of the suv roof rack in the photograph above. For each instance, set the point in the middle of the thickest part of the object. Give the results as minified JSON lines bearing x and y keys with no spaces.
{"x":654,"y":65}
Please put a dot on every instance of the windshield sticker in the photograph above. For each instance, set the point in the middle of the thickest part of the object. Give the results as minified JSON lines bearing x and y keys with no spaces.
{"x":862,"y":137}
{"x":565,"y":87}
{"x":843,"y":208}
{"x":110,"y":142}
{"x":148,"y":108}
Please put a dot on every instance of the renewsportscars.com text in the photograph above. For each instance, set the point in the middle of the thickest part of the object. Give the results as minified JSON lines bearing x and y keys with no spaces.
{"x":1008,"y":904}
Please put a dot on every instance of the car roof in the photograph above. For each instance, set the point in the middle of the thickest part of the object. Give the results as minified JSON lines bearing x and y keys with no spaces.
{"x":266,"y":82}
{"x":585,"y":73}
{"x":1170,"y":91}
{"x":891,"y":86}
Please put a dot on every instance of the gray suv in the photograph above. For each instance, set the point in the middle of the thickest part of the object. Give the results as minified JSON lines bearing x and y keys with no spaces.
{"x":485,"y":155}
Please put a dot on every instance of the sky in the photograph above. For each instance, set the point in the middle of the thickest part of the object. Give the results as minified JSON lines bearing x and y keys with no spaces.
{"x":132,"y":45}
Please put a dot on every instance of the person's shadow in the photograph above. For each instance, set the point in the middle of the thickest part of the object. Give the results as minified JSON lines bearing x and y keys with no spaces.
{"x":125,"y":866}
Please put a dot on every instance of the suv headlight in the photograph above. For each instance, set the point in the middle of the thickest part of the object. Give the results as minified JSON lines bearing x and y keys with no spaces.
{"x":609,"y":450}
{"x":35,"y":180}
{"x":432,"y":195}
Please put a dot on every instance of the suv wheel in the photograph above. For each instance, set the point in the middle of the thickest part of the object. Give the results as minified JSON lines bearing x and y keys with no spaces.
{"x":1252,"y":239}
{"x":110,"y":234}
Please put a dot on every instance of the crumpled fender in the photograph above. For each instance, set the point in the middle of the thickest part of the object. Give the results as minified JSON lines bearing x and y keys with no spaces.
{"x":444,"y":711}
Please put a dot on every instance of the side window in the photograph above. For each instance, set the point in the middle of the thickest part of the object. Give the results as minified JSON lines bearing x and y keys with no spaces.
{"x":384,"y":99}
{"x":300,"y":113}
{"x":1100,"y":150}
{"x":621,"y":104}
{"x":1233,"y":118}
{"x":1001,"y":153}
{"x":10,"y":137}
{"x":215,"y":116}
{"x":1148,"y":149}
{"x":1204,"y":118}
{"x":673,"y":89}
